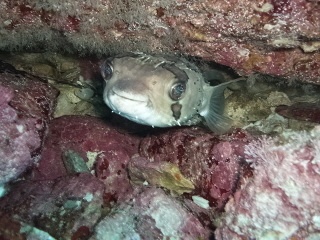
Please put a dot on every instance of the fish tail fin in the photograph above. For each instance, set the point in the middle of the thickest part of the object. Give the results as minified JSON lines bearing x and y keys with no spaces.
{"x":213,"y":112}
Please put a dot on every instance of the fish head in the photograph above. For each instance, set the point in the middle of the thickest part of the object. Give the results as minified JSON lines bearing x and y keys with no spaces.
{"x":151,"y":90}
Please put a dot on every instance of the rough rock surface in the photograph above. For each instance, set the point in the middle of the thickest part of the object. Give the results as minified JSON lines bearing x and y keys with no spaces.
{"x":33,"y":97}
{"x":86,"y":160}
{"x":301,"y":111}
{"x":151,"y":214}
{"x":160,"y":173}
{"x":281,"y":200}
{"x":213,"y":164}
{"x":18,"y":139}
{"x":84,"y":164}
{"x":65,"y":207}
{"x":274,"y":37}
{"x":26,"y":105}
{"x":104,"y":149}
{"x":15,"y":229}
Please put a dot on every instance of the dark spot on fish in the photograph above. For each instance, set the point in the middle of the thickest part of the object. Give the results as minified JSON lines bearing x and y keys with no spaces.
{"x":176,"y":110}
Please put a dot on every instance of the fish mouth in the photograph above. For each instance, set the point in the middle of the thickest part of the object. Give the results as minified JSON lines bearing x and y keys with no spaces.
{"x":130,"y":96}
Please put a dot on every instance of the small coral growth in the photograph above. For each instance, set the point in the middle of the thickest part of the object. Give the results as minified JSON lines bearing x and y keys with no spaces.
{"x":281,"y":201}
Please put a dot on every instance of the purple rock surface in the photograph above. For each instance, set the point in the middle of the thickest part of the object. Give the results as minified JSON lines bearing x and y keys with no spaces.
{"x":277,"y":37}
{"x":302,"y":111}
{"x":26,"y":104}
{"x":83,"y":186}
{"x":18,"y":139}
{"x":281,"y":200}
{"x":33,"y":97}
{"x":151,"y":214}
{"x":63,"y":207}
{"x":212,"y":163}
{"x":103,"y":147}
{"x":52,"y":195}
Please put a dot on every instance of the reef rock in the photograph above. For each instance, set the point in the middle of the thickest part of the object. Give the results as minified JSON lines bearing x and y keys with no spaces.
{"x":26,"y":105}
{"x":88,"y":144}
{"x":302,"y":111}
{"x":66,"y":208}
{"x":281,"y":200}
{"x":151,"y":214}
{"x":213,"y":164}
{"x":33,"y":96}
{"x":18,"y":139}
{"x":274,"y":37}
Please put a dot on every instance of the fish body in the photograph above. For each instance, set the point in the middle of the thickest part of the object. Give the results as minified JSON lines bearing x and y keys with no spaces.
{"x":162,"y":92}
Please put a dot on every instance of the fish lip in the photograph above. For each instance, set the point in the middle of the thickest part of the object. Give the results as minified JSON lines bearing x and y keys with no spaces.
{"x":131,"y":99}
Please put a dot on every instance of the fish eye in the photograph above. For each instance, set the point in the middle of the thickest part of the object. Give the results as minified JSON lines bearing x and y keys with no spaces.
{"x":106,"y":70}
{"x":177,"y":91}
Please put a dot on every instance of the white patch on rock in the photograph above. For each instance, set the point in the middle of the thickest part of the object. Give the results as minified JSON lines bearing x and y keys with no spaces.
{"x":20,"y":128}
{"x":284,"y":42}
{"x":273,"y":123}
{"x":201,"y":202}
{"x":310,"y":46}
{"x":92,"y":158}
{"x":3,"y":190}
{"x":264,"y":8}
{"x":33,"y":233}
{"x":88,"y":197}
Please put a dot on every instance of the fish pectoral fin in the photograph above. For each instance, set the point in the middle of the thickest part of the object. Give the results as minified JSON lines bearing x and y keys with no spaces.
{"x":217,"y":122}
{"x":213,"y":112}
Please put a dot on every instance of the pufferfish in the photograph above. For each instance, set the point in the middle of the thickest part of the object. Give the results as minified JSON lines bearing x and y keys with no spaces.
{"x":162,"y":92}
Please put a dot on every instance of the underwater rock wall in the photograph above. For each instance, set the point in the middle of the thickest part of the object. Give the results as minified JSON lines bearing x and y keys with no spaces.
{"x":85,"y":177}
{"x":281,"y":200}
{"x":95,"y":177}
{"x":280,"y":38}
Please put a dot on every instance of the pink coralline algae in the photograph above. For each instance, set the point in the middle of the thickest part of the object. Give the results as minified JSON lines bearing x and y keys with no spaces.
{"x":18,"y":139}
{"x":64,"y":207}
{"x":104,"y":149}
{"x":151,"y":214}
{"x":33,"y":97}
{"x":26,"y":105}
{"x":277,"y":37}
{"x":281,"y":201}
{"x":213,"y":164}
